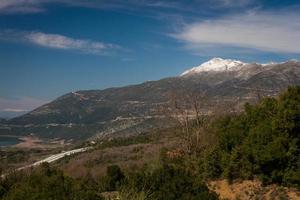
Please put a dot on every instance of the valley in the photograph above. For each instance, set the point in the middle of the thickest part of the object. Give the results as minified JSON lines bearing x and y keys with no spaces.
{"x":149,"y":100}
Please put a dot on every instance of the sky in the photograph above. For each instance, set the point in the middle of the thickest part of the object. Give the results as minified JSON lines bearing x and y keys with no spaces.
{"x":52,"y":47}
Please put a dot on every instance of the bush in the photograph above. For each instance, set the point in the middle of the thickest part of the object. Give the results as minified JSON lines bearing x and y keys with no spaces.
{"x":45,"y":183}
{"x":167,"y":182}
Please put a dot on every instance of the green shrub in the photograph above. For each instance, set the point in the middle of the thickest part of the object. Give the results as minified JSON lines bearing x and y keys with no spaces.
{"x":167,"y":182}
{"x":45,"y":183}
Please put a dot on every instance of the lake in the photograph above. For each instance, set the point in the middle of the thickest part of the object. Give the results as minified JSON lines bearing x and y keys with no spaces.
{"x":8,"y":141}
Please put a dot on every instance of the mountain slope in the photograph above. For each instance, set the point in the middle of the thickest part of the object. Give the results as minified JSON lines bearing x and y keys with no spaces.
{"x":136,"y":108}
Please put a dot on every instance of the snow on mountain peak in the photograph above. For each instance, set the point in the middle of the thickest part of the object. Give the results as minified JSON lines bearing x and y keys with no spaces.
{"x":216,"y":65}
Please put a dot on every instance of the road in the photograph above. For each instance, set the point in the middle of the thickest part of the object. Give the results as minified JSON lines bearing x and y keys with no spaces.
{"x":53,"y":158}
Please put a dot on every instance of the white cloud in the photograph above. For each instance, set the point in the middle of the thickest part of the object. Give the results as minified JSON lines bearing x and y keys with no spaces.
{"x":273,"y":32}
{"x":57,"y":41}
{"x":62,"y":42}
{"x":234,"y":3}
{"x":13,"y":110}
{"x":21,"y":6}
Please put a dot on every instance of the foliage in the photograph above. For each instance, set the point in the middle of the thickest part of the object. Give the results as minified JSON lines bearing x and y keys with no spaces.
{"x":263,"y":142}
{"x":114,"y":177}
{"x":166,"y":182}
{"x":45,"y":183}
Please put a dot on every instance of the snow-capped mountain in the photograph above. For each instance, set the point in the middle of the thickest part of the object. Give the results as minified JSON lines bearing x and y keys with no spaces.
{"x":217,"y":65}
{"x":223,"y":65}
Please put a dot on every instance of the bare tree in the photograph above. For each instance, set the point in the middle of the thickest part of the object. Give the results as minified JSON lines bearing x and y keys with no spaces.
{"x":188,"y":112}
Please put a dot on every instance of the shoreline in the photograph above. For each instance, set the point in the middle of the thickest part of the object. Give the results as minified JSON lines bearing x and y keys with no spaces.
{"x":32,"y":142}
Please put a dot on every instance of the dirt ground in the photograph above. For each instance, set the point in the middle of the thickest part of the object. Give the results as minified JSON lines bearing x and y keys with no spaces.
{"x":252,"y":190}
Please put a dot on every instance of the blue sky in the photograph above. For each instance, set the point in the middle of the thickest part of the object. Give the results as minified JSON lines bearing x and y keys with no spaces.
{"x":51,"y":47}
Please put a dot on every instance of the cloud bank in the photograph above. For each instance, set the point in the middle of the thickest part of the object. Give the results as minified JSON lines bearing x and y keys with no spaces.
{"x":13,"y":107}
{"x":20,"y":104}
{"x":13,"y":110}
{"x":273,"y":32}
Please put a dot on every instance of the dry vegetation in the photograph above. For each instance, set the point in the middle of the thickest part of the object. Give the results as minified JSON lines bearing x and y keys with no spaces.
{"x":128,"y":157}
{"x":252,"y":190}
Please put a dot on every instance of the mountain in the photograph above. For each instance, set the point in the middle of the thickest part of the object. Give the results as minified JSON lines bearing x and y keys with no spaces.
{"x":216,"y":65}
{"x":137,"y":108}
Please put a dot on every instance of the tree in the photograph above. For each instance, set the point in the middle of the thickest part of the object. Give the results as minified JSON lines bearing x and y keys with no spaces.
{"x":114,"y":176}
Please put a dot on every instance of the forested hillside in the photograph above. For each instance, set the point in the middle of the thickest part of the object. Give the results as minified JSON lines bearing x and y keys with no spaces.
{"x":262,"y":143}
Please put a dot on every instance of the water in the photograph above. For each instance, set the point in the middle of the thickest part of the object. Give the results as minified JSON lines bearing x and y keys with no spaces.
{"x":8,"y":141}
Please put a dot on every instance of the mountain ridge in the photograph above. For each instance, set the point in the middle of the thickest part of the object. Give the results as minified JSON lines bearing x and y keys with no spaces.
{"x":137,"y":108}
